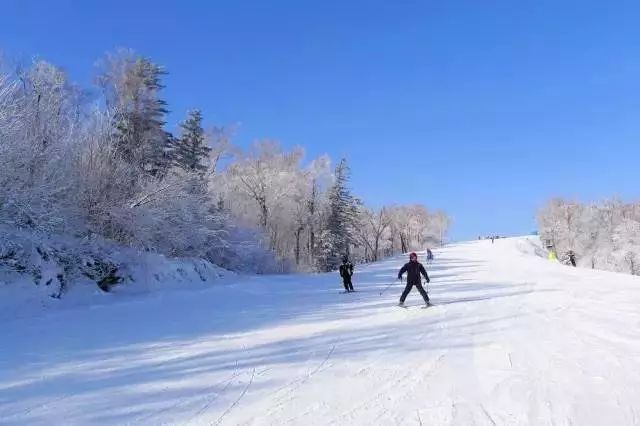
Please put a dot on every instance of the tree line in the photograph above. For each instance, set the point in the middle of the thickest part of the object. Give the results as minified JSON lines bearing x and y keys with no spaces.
{"x":103,"y":163}
{"x":603,"y":235}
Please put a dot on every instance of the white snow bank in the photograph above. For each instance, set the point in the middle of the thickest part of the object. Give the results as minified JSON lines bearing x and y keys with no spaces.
{"x":43,"y":272}
{"x":528,"y":246}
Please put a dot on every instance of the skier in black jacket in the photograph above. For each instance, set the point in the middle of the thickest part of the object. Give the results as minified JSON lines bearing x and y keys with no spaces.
{"x":346,"y":272}
{"x":413,"y":270}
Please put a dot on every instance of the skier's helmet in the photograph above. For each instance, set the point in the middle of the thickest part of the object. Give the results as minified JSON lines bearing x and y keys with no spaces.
{"x":413,"y":256}
{"x":345,"y":259}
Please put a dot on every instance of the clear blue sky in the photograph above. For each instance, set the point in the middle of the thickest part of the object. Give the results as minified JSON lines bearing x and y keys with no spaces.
{"x":482,"y":108}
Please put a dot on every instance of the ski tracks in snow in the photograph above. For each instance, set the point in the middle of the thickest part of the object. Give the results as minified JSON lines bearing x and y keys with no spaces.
{"x":242,"y":394}
{"x":513,"y":339}
{"x":395,"y":385}
{"x":285,"y":394}
{"x":210,"y":395}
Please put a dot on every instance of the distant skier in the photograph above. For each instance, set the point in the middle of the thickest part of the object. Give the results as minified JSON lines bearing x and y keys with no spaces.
{"x":572,"y":257}
{"x":429,"y":256}
{"x":492,"y":238}
{"x":346,"y":272}
{"x":414,"y":269}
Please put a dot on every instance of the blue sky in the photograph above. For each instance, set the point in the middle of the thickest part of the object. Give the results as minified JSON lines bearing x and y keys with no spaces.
{"x":482,"y":108}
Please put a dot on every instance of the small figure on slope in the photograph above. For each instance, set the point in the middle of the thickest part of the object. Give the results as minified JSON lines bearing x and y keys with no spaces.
{"x":346,"y":272}
{"x":572,"y":257}
{"x":414,"y":269}
{"x":429,"y":256}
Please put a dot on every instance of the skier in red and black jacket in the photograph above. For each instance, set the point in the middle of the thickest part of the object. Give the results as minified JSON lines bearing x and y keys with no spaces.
{"x":414,"y":269}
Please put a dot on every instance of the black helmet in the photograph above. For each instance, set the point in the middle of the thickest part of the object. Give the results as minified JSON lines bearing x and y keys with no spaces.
{"x":345,"y":259}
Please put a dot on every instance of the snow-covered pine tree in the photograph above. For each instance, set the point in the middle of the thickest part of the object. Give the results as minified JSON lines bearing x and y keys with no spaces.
{"x":134,"y":84}
{"x":339,"y":234}
{"x":191,"y":149}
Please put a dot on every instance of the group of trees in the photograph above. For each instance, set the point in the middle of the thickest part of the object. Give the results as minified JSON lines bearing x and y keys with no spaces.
{"x":604,"y":235}
{"x":309,"y":215}
{"x":400,"y":229}
{"x":105,"y":164}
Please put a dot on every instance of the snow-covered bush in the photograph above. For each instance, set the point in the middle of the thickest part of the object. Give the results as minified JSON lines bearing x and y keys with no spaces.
{"x":37,"y":269}
{"x":55,"y":261}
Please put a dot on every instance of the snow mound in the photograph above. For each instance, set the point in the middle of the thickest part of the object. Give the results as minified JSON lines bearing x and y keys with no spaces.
{"x":43,"y":272}
{"x":529,"y":246}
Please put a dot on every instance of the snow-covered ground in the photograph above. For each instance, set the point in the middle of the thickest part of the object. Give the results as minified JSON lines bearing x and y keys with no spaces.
{"x":513,"y":339}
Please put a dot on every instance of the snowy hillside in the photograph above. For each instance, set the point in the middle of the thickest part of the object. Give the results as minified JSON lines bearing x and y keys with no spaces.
{"x":513,"y":339}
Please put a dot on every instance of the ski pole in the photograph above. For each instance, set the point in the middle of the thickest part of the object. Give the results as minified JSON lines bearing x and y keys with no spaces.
{"x":385,"y":289}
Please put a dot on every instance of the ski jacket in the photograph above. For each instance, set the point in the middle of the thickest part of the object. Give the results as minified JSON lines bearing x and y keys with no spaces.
{"x":346,"y":269}
{"x":413,"y":270}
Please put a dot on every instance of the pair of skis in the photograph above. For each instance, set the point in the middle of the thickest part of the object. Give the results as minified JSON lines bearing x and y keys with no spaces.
{"x":430,"y":305}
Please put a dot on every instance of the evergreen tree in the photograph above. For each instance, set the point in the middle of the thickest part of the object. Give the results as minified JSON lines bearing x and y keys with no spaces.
{"x":339,"y":234}
{"x":140,"y":117}
{"x":191,"y":150}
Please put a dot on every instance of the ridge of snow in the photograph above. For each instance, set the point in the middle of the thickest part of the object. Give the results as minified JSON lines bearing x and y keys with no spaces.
{"x":142,"y":272}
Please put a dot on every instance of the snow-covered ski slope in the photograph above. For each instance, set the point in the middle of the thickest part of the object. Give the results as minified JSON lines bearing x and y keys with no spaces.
{"x":513,"y":339}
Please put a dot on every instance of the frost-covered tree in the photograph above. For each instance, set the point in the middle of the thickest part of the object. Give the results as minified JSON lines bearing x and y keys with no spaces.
{"x":265,"y":187}
{"x":263,"y":176}
{"x":39,"y":131}
{"x":373,"y":226}
{"x":132,"y":86}
{"x":441,"y":223}
{"x":310,"y":201}
{"x":626,"y":240}
{"x":560,"y":222}
{"x":190,"y":149}
{"x":342,"y":220}
{"x":603,"y":235}
{"x":414,"y":227}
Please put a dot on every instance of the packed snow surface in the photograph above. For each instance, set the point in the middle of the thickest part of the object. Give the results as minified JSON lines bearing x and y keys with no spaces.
{"x":512,"y":339}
